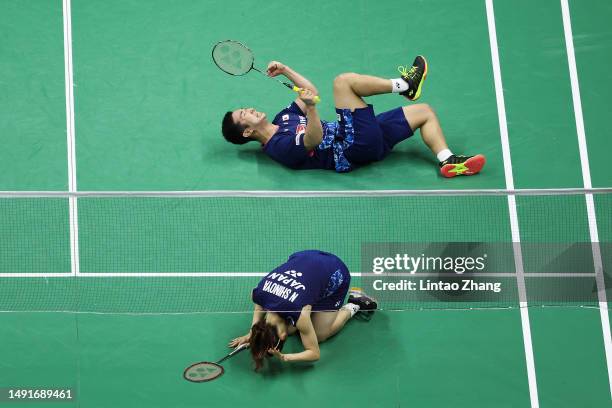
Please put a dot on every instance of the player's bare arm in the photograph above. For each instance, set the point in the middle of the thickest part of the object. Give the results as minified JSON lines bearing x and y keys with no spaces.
{"x":314,"y":130}
{"x":278,"y":68}
{"x":309,"y":340}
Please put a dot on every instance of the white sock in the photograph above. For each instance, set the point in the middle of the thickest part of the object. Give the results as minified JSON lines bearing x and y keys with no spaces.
{"x":351,"y":307}
{"x":444,"y":154}
{"x":399,"y":85}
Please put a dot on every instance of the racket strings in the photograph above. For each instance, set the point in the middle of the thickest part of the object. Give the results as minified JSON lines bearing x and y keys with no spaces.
{"x":233,"y":57}
{"x":237,"y":59}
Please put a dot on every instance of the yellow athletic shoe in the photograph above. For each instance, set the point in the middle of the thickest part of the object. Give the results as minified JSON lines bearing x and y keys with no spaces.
{"x":415,"y":76}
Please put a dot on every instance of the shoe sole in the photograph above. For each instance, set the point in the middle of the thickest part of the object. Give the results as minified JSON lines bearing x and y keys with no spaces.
{"x":471,"y":166}
{"x":417,"y":95}
{"x":361,"y":292}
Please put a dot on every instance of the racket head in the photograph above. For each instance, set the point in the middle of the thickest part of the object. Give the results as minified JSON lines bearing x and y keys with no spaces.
{"x":203,"y":371}
{"x":233,"y":57}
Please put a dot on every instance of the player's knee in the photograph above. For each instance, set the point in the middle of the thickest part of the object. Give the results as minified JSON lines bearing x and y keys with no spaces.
{"x":420,"y":112}
{"x":343,"y":80}
{"x":428,"y":110}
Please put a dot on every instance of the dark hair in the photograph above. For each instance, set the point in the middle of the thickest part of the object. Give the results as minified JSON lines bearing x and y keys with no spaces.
{"x":232,"y":131}
{"x":263,"y":338}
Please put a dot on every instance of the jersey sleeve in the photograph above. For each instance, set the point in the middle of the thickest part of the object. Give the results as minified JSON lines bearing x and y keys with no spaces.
{"x":291,"y":109}
{"x":287,"y":147}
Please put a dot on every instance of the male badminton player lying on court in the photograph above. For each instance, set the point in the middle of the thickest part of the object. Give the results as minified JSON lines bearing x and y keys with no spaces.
{"x":297,"y":138}
{"x":305,"y":295}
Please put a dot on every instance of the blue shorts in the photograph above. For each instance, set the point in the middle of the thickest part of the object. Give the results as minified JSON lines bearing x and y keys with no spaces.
{"x":335,"y":292}
{"x":373,"y":136}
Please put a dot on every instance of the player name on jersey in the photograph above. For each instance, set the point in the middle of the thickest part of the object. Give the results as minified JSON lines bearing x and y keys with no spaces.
{"x":280,"y":288}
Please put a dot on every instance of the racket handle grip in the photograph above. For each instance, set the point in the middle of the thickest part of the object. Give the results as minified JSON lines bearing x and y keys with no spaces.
{"x":316,"y":98}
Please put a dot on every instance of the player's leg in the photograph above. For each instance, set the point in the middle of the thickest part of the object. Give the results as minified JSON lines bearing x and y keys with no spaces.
{"x":349,"y":88}
{"x":400,"y":123}
{"x":329,"y":316}
{"x":423,"y":117}
{"x":362,"y":138}
{"x":358,"y":126}
{"x":326,"y":324}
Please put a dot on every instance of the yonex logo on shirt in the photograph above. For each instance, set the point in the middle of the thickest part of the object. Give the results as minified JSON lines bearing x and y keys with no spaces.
{"x":293,"y":273}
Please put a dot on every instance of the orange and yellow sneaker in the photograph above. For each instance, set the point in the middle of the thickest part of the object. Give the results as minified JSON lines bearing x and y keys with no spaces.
{"x":462,"y":165}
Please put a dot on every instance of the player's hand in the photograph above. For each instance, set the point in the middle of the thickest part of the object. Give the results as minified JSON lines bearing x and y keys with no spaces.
{"x":277,"y":354}
{"x":239,"y":340}
{"x":308,"y":97}
{"x":275,"y":68}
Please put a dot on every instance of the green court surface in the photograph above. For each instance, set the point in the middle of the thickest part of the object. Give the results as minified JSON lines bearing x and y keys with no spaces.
{"x":148,"y":103}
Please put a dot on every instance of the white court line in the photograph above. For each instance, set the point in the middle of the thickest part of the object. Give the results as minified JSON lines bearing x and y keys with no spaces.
{"x":70,"y":139}
{"x":132,"y":274}
{"x":247,"y":274}
{"x":586,"y":178}
{"x":516,"y":239}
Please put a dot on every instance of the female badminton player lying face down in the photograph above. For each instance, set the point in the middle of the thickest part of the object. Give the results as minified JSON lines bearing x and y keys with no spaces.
{"x":305,"y":295}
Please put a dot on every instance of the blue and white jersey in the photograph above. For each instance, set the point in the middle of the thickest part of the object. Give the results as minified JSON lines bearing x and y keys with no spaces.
{"x":307,"y":278}
{"x":286,"y":146}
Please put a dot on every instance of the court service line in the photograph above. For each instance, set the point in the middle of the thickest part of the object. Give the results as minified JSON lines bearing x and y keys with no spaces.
{"x":70,"y":139}
{"x":514,"y":226}
{"x":586,"y":178}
